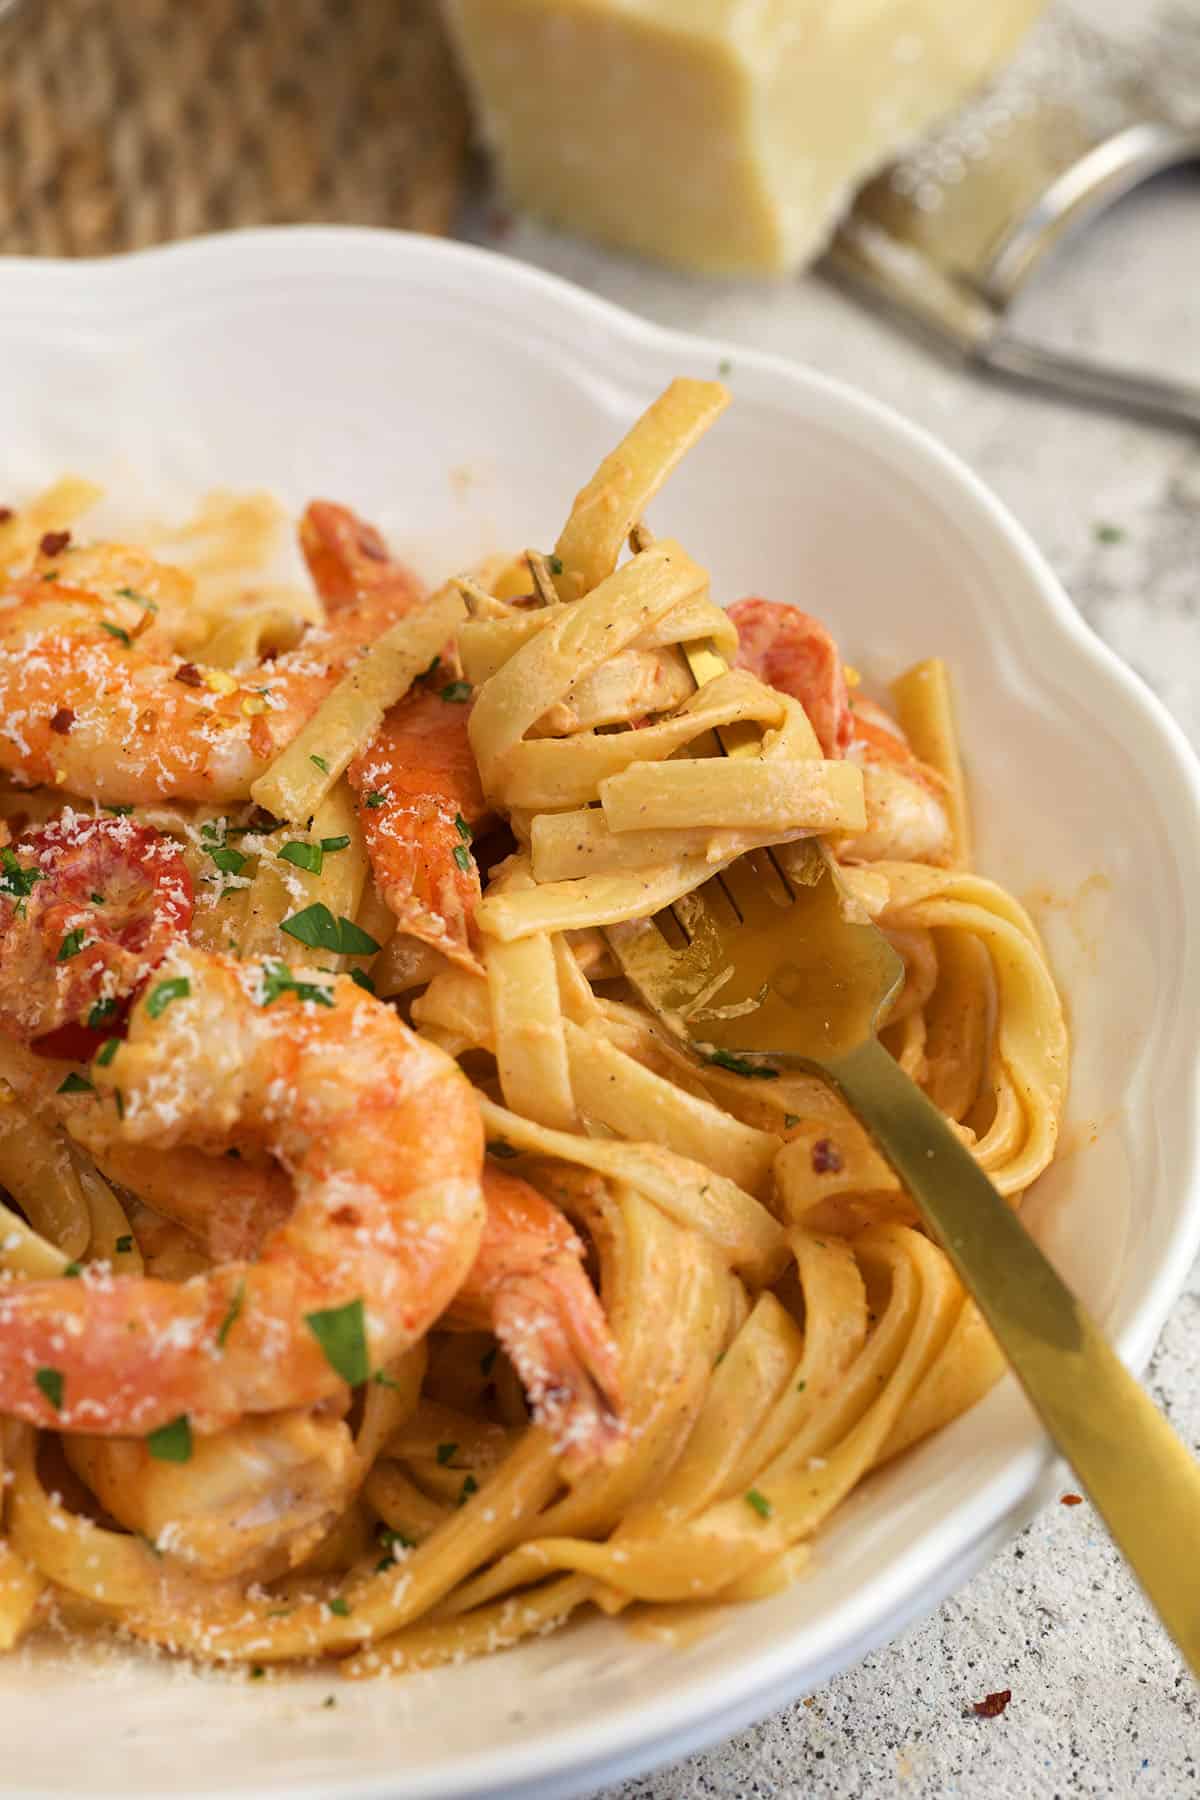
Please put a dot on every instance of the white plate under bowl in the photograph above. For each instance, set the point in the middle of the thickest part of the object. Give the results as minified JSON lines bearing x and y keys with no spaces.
{"x":460,"y":400}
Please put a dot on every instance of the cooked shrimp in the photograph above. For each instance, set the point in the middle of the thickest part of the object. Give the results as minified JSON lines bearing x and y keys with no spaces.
{"x":419,"y":801}
{"x":87,"y":908}
{"x":94,"y":697}
{"x":417,"y":786}
{"x":906,"y":815}
{"x":907,"y":819}
{"x":229,"y":1203}
{"x":528,"y":1286}
{"x":349,"y":561}
{"x":251,"y":1502}
{"x":382,"y":1137}
{"x":790,"y":650}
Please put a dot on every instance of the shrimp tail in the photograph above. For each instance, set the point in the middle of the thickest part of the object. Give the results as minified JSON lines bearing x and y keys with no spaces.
{"x":551,"y":1327}
{"x":349,"y":561}
{"x":528,"y":1286}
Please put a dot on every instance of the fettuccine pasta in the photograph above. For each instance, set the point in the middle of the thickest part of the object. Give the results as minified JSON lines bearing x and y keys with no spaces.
{"x":380,"y":1280}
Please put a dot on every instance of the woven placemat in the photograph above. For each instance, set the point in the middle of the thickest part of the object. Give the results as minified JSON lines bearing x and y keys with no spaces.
{"x":131,"y":122}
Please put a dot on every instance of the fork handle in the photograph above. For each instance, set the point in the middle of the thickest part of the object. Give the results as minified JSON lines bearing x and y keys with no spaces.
{"x":1143,"y":1480}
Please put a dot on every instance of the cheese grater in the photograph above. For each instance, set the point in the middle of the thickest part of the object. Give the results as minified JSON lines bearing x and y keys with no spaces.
{"x":945,"y":238}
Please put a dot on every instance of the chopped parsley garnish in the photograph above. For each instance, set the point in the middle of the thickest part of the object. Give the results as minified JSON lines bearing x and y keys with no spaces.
{"x":160,"y":997}
{"x":172,"y":1443}
{"x":304,"y":856}
{"x":724,"y":367}
{"x":470,"y":1486}
{"x":462,"y":857}
{"x":1109,"y":534}
{"x":257,"y":1672}
{"x":759,"y":1502}
{"x":103,"y":1009}
{"x":119,"y":812}
{"x":107,"y":1051}
{"x":96,"y":899}
{"x":445,"y":1454}
{"x":317,"y":927}
{"x":71,"y":945}
{"x":737,"y":1065}
{"x":791,"y":1118}
{"x":462,"y":828}
{"x":319,"y":762}
{"x":497,"y":1147}
{"x":389,"y":1538}
{"x":278,"y":979}
{"x":329,"y":845}
{"x":341,"y":1332}
{"x":51,"y":1383}
{"x":383,"y":1379}
{"x":119,"y":1102}
{"x":555,"y":564}
{"x":233,"y":1313}
{"x":227,"y":859}
{"x":15,"y":879}
{"x":329,"y":1700}
{"x":455,"y":690}
{"x":124,"y":1244}
{"x":73,"y":1269}
{"x":390,"y":1541}
{"x":340,"y":1606}
{"x":117,"y":631}
{"x":800,"y":1386}
{"x":362,"y":980}
{"x":375,"y":800}
{"x":75,"y":1084}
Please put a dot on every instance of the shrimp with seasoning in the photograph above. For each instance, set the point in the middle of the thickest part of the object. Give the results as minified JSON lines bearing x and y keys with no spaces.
{"x":419,"y":803}
{"x":382,"y":1137}
{"x":94,"y":696}
{"x":906,"y":814}
{"x":529,"y":1287}
{"x":526,"y":1283}
{"x":87,"y":908}
{"x":416,"y":784}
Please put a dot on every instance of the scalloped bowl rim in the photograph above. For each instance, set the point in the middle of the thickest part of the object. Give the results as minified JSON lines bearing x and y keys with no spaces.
{"x":565,"y":1760}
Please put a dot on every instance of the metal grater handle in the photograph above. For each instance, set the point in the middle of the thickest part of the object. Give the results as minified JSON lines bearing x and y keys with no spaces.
{"x":1093,"y":384}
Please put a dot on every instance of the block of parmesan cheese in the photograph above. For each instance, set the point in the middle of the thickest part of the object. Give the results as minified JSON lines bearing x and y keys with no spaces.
{"x":721,"y":135}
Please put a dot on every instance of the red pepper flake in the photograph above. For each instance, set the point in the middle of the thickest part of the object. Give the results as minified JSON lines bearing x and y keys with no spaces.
{"x":993,"y":1705}
{"x":826,"y":1157}
{"x":6,"y":513}
{"x":190,"y":675}
{"x":53,"y":543}
{"x":62,"y":721}
{"x":1071,"y":1500}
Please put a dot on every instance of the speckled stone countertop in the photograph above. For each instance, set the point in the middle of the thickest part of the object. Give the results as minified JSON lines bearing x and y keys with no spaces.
{"x":1100,"y":1705}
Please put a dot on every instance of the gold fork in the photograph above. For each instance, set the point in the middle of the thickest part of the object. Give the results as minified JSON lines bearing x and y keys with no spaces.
{"x":801,"y":986}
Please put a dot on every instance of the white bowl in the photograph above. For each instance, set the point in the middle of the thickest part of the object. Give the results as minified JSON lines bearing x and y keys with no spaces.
{"x":460,"y":400}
